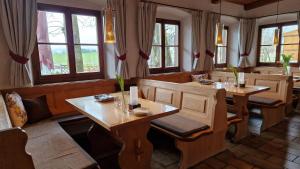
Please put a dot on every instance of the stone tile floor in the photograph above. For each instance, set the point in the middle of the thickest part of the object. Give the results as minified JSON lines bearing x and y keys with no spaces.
{"x":277,"y":147}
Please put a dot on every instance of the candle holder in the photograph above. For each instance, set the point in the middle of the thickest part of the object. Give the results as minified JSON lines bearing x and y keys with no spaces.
{"x":131,"y":107}
{"x":242,"y":85}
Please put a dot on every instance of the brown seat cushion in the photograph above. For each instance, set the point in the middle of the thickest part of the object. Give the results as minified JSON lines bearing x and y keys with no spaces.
{"x":37,"y":109}
{"x":263,"y":101}
{"x":180,"y":125}
{"x":51,"y":147}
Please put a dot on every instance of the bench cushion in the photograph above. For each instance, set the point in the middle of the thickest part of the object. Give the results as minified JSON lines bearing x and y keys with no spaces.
{"x":180,"y":125}
{"x":263,"y":101}
{"x":231,"y":116}
{"x":51,"y":147}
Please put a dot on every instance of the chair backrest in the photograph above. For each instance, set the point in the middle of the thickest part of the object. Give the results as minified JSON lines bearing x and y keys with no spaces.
{"x":206,"y":105}
{"x":13,"y":154}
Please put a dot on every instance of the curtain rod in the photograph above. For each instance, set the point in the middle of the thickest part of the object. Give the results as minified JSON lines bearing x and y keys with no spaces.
{"x":294,"y":12}
{"x":193,"y":9}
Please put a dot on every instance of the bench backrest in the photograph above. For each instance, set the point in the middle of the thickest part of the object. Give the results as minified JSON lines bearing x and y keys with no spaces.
{"x":280,"y":85}
{"x":203,"y":104}
{"x":56,"y":94}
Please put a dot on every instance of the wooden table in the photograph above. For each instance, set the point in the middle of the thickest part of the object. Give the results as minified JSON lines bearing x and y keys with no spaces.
{"x":130,"y":130}
{"x":240,"y":99}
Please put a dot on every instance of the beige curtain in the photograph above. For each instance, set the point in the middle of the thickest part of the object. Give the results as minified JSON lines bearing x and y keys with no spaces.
{"x":210,"y":41}
{"x":298,"y":18}
{"x":247,"y":30}
{"x":146,"y":25}
{"x":196,"y":38}
{"x":19,"y":21}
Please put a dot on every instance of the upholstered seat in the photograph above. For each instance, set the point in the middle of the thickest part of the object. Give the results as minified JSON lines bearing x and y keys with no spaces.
{"x":51,"y":147}
{"x":180,"y":125}
{"x":263,"y":101}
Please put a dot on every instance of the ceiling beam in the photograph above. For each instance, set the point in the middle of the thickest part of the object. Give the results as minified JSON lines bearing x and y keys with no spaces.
{"x":258,"y":3}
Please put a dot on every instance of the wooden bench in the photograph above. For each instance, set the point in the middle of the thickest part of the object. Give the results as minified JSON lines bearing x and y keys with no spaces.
{"x":41,"y":145}
{"x":271,"y":104}
{"x":199,"y":128}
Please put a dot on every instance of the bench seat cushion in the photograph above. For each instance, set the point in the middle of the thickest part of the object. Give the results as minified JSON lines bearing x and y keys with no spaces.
{"x":51,"y":147}
{"x":263,"y":101}
{"x":180,"y":125}
{"x":231,"y":116}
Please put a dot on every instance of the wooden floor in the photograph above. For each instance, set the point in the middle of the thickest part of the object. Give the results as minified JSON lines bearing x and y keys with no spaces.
{"x":278,"y":147}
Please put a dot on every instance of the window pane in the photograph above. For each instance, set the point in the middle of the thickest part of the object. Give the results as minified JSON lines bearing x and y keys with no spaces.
{"x":53,"y":59}
{"x":267,"y":36}
{"x":290,"y":50}
{"x":267,"y":54}
{"x":51,"y":27}
{"x":290,"y":34}
{"x":87,"y":59}
{"x":221,"y":56}
{"x":172,"y":34}
{"x":157,"y":34}
{"x":171,"y":56}
{"x":155,"y":57}
{"x":85,"y":29}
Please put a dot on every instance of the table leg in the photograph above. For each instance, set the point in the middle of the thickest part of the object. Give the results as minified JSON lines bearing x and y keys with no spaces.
{"x":240,"y":105}
{"x":137,"y":150}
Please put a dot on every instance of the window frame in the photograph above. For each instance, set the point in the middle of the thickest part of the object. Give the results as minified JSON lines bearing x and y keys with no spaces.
{"x":278,"y":47}
{"x":163,"y":68}
{"x":222,"y":65}
{"x":73,"y":75}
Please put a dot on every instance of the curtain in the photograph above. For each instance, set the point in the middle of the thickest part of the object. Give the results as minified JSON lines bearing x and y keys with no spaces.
{"x":247,"y":30}
{"x":210,"y":41}
{"x":146,"y":25}
{"x":298,"y":18}
{"x":19,"y":21}
{"x":196,"y":38}
{"x":120,"y":31}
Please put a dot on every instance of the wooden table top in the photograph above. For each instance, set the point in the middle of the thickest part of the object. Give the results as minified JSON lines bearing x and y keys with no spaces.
{"x":248,"y":90}
{"x":112,"y":118}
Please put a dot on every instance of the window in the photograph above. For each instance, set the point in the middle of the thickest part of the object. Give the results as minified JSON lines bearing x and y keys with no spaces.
{"x":68,"y":45}
{"x":165,"y":48}
{"x":221,"y":51}
{"x":289,"y":43}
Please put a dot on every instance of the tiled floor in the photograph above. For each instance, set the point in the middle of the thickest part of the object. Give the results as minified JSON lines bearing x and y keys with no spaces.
{"x":278,"y":147}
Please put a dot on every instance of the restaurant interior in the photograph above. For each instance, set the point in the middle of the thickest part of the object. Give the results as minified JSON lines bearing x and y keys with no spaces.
{"x":150,"y":84}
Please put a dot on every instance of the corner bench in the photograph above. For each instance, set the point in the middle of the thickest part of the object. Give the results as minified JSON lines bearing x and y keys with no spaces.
{"x":43,"y":145}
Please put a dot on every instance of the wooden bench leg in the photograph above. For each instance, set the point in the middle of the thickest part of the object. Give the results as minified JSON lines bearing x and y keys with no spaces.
{"x":272,"y":116}
{"x":200,"y":149}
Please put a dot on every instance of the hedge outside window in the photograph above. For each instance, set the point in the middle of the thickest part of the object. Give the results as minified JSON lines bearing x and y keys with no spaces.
{"x":165,"y":49}
{"x":289,"y":43}
{"x":68,"y":45}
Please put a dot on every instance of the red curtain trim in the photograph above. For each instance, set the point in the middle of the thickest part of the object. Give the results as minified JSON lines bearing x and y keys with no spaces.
{"x":20,"y":59}
{"x":144,"y":55}
{"x":197,"y":55}
{"x":122,"y":57}
{"x":209,"y":53}
{"x":245,"y":54}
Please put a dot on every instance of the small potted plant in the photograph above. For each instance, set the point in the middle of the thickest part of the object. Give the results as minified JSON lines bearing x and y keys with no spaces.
{"x":286,"y":63}
{"x":235,"y":73}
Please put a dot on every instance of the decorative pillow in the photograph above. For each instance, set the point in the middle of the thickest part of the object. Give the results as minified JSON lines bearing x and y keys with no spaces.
{"x":197,"y":78}
{"x":37,"y":109}
{"x":16,"y":109}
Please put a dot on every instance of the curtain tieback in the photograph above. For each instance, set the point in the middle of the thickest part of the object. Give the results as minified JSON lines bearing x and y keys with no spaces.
{"x":122,"y":57}
{"x":20,"y":59}
{"x":144,"y":55}
{"x":209,"y":53}
{"x":244,"y":54}
{"x":197,"y":55}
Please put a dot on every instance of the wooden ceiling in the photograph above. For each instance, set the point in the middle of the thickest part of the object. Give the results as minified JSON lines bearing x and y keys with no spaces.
{"x":249,"y":4}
